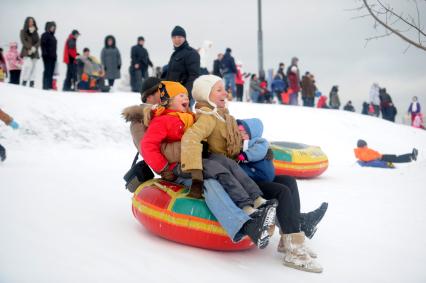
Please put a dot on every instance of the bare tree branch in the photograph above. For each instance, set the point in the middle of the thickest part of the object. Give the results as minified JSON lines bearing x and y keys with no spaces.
{"x":388,"y":10}
{"x":402,"y":18}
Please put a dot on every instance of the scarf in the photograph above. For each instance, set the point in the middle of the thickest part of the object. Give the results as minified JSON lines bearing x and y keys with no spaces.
{"x":233,"y":136}
{"x":187,"y":118}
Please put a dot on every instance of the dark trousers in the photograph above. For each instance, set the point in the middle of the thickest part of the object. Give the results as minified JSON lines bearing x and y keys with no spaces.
{"x":71,"y":77}
{"x":15,"y":75}
{"x":285,"y":190}
{"x":2,"y":153}
{"x":240,"y":187}
{"x":397,"y":158}
{"x":111,"y":82}
{"x":136,"y":79}
{"x":240,"y":91}
{"x":49,"y":68}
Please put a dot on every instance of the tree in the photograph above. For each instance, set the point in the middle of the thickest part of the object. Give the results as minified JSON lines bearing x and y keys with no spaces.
{"x":400,"y":23}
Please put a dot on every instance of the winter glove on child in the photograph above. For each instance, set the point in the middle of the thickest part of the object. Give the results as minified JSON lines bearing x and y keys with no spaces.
{"x":196,"y":189}
{"x":168,"y":175}
{"x":242,"y":157}
{"x":14,"y":125}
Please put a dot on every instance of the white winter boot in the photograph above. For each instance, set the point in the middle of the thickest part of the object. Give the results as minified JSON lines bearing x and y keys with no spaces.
{"x":282,"y":248}
{"x":296,"y":255}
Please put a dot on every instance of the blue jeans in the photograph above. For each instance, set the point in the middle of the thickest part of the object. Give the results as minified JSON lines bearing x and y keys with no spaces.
{"x":294,"y":98}
{"x":230,"y":83}
{"x":230,"y":216}
{"x":254,"y":96}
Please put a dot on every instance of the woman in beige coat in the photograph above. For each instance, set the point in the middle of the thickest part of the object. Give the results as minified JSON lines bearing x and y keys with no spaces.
{"x":216,"y":126}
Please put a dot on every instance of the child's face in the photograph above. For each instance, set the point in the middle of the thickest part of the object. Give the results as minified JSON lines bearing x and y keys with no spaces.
{"x":179,"y":103}
{"x":243,"y":132}
{"x":218,"y":94}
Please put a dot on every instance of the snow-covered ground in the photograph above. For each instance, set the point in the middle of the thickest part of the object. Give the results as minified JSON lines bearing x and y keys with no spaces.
{"x":66,"y":217}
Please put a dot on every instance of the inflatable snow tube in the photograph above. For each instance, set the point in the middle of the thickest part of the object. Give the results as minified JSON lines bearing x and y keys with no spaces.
{"x":377,"y":164}
{"x":165,"y":210}
{"x":298,"y":160}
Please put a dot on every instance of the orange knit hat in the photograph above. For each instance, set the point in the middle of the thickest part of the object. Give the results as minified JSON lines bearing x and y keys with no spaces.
{"x":169,"y":89}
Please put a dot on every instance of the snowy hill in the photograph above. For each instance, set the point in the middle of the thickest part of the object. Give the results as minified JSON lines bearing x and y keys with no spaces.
{"x":65,"y":216}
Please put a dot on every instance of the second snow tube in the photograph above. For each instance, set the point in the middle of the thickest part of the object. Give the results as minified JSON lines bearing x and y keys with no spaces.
{"x":298,"y":160}
{"x":165,"y":210}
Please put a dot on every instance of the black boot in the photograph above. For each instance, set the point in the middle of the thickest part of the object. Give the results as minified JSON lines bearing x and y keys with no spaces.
{"x":257,"y":227}
{"x":310,"y":220}
{"x":31,"y":83}
{"x":2,"y":153}
{"x":24,"y":83}
{"x":414,"y":154}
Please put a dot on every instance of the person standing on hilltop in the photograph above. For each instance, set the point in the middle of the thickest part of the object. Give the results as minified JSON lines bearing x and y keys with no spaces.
{"x":30,"y":43}
{"x":184,"y":64}
{"x":48,"y":53}
{"x":111,"y":60}
{"x":70,"y":57}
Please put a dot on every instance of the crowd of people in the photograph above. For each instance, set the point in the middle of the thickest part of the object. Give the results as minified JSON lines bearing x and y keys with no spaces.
{"x":86,"y":73}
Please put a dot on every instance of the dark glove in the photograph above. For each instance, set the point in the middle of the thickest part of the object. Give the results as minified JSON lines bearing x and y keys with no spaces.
{"x":168,"y":176}
{"x":269,"y":154}
{"x":196,"y":189}
{"x":119,"y":67}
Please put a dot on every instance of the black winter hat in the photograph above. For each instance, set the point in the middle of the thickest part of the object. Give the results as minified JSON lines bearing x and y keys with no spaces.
{"x":361,"y":143}
{"x":149,"y":86}
{"x":178,"y":31}
{"x":75,"y":32}
{"x":141,"y":38}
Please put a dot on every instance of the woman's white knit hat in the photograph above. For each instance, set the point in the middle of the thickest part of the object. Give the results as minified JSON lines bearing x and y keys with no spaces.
{"x":202,"y":87}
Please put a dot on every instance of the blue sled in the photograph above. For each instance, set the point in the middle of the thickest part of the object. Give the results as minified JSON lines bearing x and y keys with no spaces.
{"x":377,"y":163}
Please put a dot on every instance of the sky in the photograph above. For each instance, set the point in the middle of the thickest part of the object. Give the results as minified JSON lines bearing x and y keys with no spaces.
{"x":322,"y":34}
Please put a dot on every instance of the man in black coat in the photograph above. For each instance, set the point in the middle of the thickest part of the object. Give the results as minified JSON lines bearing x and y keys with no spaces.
{"x":184,"y":64}
{"x":229,"y":72}
{"x":48,"y":45}
{"x":139,"y":65}
{"x":217,"y":66}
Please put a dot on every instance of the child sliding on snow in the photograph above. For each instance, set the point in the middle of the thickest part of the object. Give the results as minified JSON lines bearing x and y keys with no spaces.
{"x":365,"y":154}
{"x":169,"y":122}
{"x":255,"y":158}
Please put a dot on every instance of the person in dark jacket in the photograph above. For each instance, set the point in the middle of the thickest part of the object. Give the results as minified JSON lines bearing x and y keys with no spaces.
{"x":111,"y":60}
{"x":387,"y":107}
{"x":139,"y":65}
{"x":184,"y":64}
{"x":217,"y":66}
{"x":48,"y":53}
{"x":229,"y":72}
{"x":30,"y":44}
{"x":334,"y":101}
{"x":70,"y":56}
{"x":349,"y":107}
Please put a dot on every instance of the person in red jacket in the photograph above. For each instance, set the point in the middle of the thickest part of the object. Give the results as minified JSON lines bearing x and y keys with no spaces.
{"x":70,"y":55}
{"x":322,"y":102}
{"x":365,"y":154}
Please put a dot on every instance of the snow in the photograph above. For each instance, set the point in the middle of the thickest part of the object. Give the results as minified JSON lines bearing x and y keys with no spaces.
{"x":66,"y":217}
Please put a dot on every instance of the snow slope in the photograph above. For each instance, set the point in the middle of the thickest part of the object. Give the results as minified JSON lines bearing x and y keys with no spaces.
{"x":65,"y":216}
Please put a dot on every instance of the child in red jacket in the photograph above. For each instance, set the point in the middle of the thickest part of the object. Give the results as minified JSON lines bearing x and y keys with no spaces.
{"x":169,"y":122}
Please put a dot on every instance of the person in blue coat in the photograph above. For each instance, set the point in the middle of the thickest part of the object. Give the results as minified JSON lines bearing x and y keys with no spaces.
{"x":254,"y":158}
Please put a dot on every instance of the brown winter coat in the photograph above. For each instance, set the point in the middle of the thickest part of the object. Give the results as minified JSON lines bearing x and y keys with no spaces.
{"x":308,"y":87}
{"x":135,"y":115}
{"x":5,"y":118}
{"x":217,"y":134}
{"x":30,"y":40}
